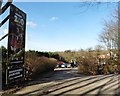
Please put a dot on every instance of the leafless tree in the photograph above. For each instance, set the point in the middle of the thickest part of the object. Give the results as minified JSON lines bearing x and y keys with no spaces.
{"x":109,"y":36}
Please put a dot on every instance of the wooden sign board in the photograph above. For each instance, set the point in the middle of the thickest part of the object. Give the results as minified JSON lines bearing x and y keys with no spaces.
{"x":16,"y":45}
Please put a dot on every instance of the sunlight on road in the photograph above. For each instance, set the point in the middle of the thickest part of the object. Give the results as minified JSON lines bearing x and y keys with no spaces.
{"x":67,"y":81}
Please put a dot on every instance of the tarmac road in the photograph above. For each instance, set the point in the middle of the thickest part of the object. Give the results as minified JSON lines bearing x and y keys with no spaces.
{"x":67,"y":81}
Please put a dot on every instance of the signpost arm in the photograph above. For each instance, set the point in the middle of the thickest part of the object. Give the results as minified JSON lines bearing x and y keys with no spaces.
{"x":4,"y":20}
{"x":3,"y":37}
{"x":6,"y":6}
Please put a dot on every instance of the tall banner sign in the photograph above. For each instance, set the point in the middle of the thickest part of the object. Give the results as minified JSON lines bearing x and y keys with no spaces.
{"x":16,"y":44}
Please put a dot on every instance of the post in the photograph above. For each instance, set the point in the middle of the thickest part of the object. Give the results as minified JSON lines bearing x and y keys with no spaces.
{"x":0,"y":54}
{"x":2,"y":10}
{"x":0,"y":68}
{"x":119,"y":34}
{"x":119,"y":45}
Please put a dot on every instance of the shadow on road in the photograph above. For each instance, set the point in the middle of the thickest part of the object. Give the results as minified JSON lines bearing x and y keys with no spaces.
{"x":57,"y":75}
{"x":68,"y":81}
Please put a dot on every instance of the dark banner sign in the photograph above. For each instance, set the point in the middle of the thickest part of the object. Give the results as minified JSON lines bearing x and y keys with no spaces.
{"x":16,"y":45}
{"x":16,"y":36}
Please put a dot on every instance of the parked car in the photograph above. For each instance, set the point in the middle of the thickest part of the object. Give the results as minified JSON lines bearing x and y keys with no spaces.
{"x":68,"y":65}
{"x":62,"y":65}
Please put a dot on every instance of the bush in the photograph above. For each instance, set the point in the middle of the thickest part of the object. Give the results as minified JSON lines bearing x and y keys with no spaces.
{"x":37,"y":65}
{"x":88,"y":66}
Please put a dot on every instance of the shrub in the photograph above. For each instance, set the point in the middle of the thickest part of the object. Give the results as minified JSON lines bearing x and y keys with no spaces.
{"x":37,"y":65}
{"x":88,"y":66}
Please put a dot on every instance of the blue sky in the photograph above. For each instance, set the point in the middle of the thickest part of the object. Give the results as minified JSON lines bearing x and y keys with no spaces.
{"x":62,"y":26}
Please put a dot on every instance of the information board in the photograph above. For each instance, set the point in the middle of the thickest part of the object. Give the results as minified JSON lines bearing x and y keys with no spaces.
{"x":16,"y":36}
{"x":14,"y":74}
{"x":16,"y":45}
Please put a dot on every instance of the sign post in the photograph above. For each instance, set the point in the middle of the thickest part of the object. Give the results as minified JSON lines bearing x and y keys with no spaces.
{"x":16,"y":45}
{"x":0,"y":55}
{"x":13,"y":66}
{"x":119,"y":37}
{"x":3,"y":58}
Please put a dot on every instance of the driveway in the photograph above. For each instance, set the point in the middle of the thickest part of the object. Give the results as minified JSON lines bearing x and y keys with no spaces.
{"x":67,"y":81}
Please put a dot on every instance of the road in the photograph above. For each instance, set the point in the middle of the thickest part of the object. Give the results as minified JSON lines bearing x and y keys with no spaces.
{"x":67,"y":81}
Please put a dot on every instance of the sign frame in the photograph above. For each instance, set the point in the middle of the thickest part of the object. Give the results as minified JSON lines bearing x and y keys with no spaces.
{"x":16,"y":45}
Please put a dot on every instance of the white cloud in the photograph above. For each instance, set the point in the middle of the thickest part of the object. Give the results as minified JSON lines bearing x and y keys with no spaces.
{"x":31,"y":24}
{"x":54,"y":18}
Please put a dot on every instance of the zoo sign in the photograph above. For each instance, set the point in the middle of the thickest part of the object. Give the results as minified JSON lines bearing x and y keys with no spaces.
{"x":16,"y":45}
{"x":16,"y":36}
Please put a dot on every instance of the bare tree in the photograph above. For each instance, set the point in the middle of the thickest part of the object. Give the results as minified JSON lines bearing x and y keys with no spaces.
{"x":109,"y":36}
